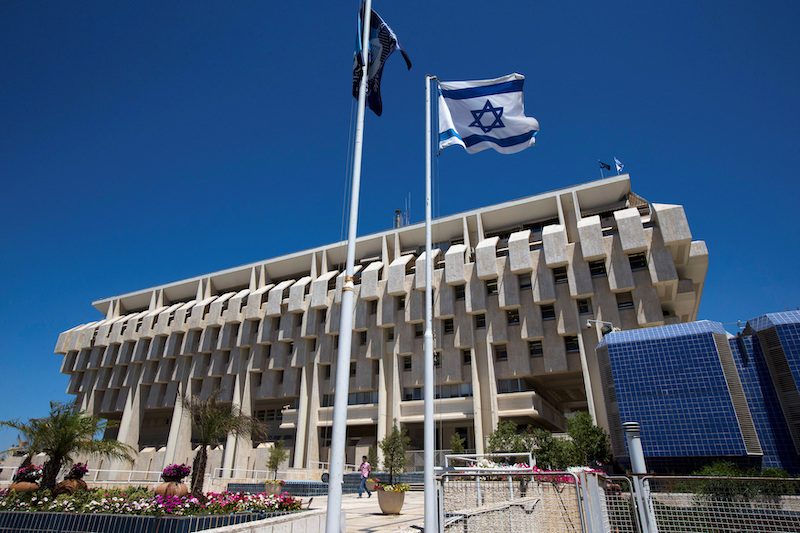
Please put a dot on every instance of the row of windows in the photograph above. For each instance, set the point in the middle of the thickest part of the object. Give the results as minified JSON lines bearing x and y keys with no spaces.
{"x":354,"y":398}
{"x":455,"y":390}
{"x":536,"y":349}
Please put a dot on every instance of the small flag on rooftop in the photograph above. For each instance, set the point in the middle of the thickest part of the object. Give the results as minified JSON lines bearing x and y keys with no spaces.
{"x":382,"y":42}
{"x":604,"y":166}
{"x":483,"y":114}
{"x":619,"y":165}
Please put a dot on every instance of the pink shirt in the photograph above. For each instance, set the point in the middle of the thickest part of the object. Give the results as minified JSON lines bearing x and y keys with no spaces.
{"x":365,"y":469}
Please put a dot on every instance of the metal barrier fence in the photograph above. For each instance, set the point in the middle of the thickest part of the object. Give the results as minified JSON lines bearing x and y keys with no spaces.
{"x":108,"y":523}
{"x":593,"y":503}
{"x":519,"y":503}
{"x":722,"y":504}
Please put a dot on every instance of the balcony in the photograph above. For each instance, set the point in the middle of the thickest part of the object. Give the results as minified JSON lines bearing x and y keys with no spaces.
{"x":444,"y":409}
{"x":357,"y":415}
{"x":529,"y":404}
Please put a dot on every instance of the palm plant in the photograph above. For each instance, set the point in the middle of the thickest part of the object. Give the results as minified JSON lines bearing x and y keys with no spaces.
{"x":212,"y":422}
{"x":65,"y":432}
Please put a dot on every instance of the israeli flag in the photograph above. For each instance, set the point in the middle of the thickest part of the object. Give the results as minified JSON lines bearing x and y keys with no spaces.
{"x":483,"y":114}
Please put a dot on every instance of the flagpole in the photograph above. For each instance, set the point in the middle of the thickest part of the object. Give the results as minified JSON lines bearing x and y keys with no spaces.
{"x":337,"y":454}
{"x":430,"y":486}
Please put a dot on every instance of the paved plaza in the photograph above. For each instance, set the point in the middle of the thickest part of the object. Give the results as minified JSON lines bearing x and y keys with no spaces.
{"x":365,"y":515}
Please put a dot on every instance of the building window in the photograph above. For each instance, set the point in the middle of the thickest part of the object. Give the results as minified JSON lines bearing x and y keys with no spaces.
{"x":638,"y":261}
{"x":624,"y":300}
{"x":373,"y":307}
{"x":291,"y":347}
{"x":437,"y":359}
{"x":466,"y":357}
{"x":401,"y":302}
{"x":323,"y":316}
{"x":312,"y":345}
{"x":280,"y":376}
{"x":571,"y":344}
{"x":505,"y":386}
{"x":454,"y":390}
{"x":376,"y":367}
{"x":327,"y":371}
{"x":407,"y":363}
{"x":362,"y":338}
{"x":448,"y":325}
{"x":548,"y":312}
{"x":419,"y":329}
{"x":352,"y":370}
{"x":535,"y":349}
{"x":585,"y":306}
{"x":336,"y":342}
{"x":461,"y":291}
{"x":390,"y":334}
{"x":597,"y":268}
{"x":524,"y":281}
{"x":412,"y":393}
{"x":491,"y":287}
{"x":560,"y":275}
{"x":480,"y":321}
{"x":512,"y":317}
{"x":500,"y":352}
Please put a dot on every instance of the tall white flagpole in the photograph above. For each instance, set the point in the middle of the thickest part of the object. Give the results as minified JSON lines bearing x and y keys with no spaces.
{"x":431,"y":509}
{"x":333,"y":522}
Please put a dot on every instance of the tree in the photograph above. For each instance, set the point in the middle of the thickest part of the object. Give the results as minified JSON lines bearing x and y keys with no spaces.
{"x":591,"y":442}
{"x":277,"y":455}
{"x":212,"y":422}
{"x":394,"y":451}
{"x":64,"y":433}
{"x":457,"y":443}
{"x":506,"y":439}
{"x":372,"y":457}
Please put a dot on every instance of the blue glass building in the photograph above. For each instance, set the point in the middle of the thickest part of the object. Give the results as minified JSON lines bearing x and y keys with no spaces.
{"x":702,"y":395}
{"x":681,"y":384}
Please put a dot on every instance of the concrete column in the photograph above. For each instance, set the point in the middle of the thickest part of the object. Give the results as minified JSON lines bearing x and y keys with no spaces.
{"x":477,"y":407}
{"x":179,"y":442}
{"x":302,"y":418}
{"x":587,"y":378}
{"x":229,"y":453}
{"x":312,"y":435}
{"x":383,"y":408}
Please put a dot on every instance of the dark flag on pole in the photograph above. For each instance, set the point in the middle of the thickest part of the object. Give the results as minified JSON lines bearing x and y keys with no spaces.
{"x":604,"y":166}
{"x":382,"y":42}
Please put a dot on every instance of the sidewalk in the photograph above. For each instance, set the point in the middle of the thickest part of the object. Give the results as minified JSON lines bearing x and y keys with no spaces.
{"x":365,"y":515}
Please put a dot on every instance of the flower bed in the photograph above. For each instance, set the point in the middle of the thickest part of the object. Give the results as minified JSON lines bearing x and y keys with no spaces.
{"x":139,"y":501}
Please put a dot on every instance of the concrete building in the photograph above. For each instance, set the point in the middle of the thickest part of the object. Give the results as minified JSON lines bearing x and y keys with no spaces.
{"x":702,"y":395}
{"x":515,"y":284}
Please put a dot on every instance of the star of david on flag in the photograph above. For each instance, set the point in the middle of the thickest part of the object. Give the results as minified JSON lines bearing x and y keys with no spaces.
{"x":483,"y":114}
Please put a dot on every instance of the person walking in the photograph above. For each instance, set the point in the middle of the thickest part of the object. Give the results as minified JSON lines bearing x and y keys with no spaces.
{"x":365,"y":470}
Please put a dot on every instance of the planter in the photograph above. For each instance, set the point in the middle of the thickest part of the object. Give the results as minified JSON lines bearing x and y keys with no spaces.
{"x":172,"y":488}
{"x":371,"y":485}
{"x":70,"y":486}
{"x":273,"y":488}
{"x":391,"y":502}
{"x":24,"y":486}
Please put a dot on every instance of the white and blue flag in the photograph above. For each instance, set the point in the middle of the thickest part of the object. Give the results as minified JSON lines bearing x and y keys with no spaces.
{"x":483,"y":114}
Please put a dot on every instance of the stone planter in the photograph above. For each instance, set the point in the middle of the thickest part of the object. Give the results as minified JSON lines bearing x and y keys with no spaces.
{"x":24,"y":486}
{"x":273,"y":488}
{"x":172,"y":488}
{"x":70,"y":486}
{"x":391,"y":502}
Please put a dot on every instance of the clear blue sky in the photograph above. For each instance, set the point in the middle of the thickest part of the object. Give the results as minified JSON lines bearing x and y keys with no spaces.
{"x":145,"y":142}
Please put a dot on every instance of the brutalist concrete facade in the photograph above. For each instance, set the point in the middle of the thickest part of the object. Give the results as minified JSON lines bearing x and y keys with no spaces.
{"x":515,"y":284}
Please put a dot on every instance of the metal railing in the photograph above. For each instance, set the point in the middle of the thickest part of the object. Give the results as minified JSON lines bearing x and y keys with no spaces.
{"x":510,"y":501}
{"x":109,"y":523}
{"x":493,"y":501}
{"x":722,"y":504}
